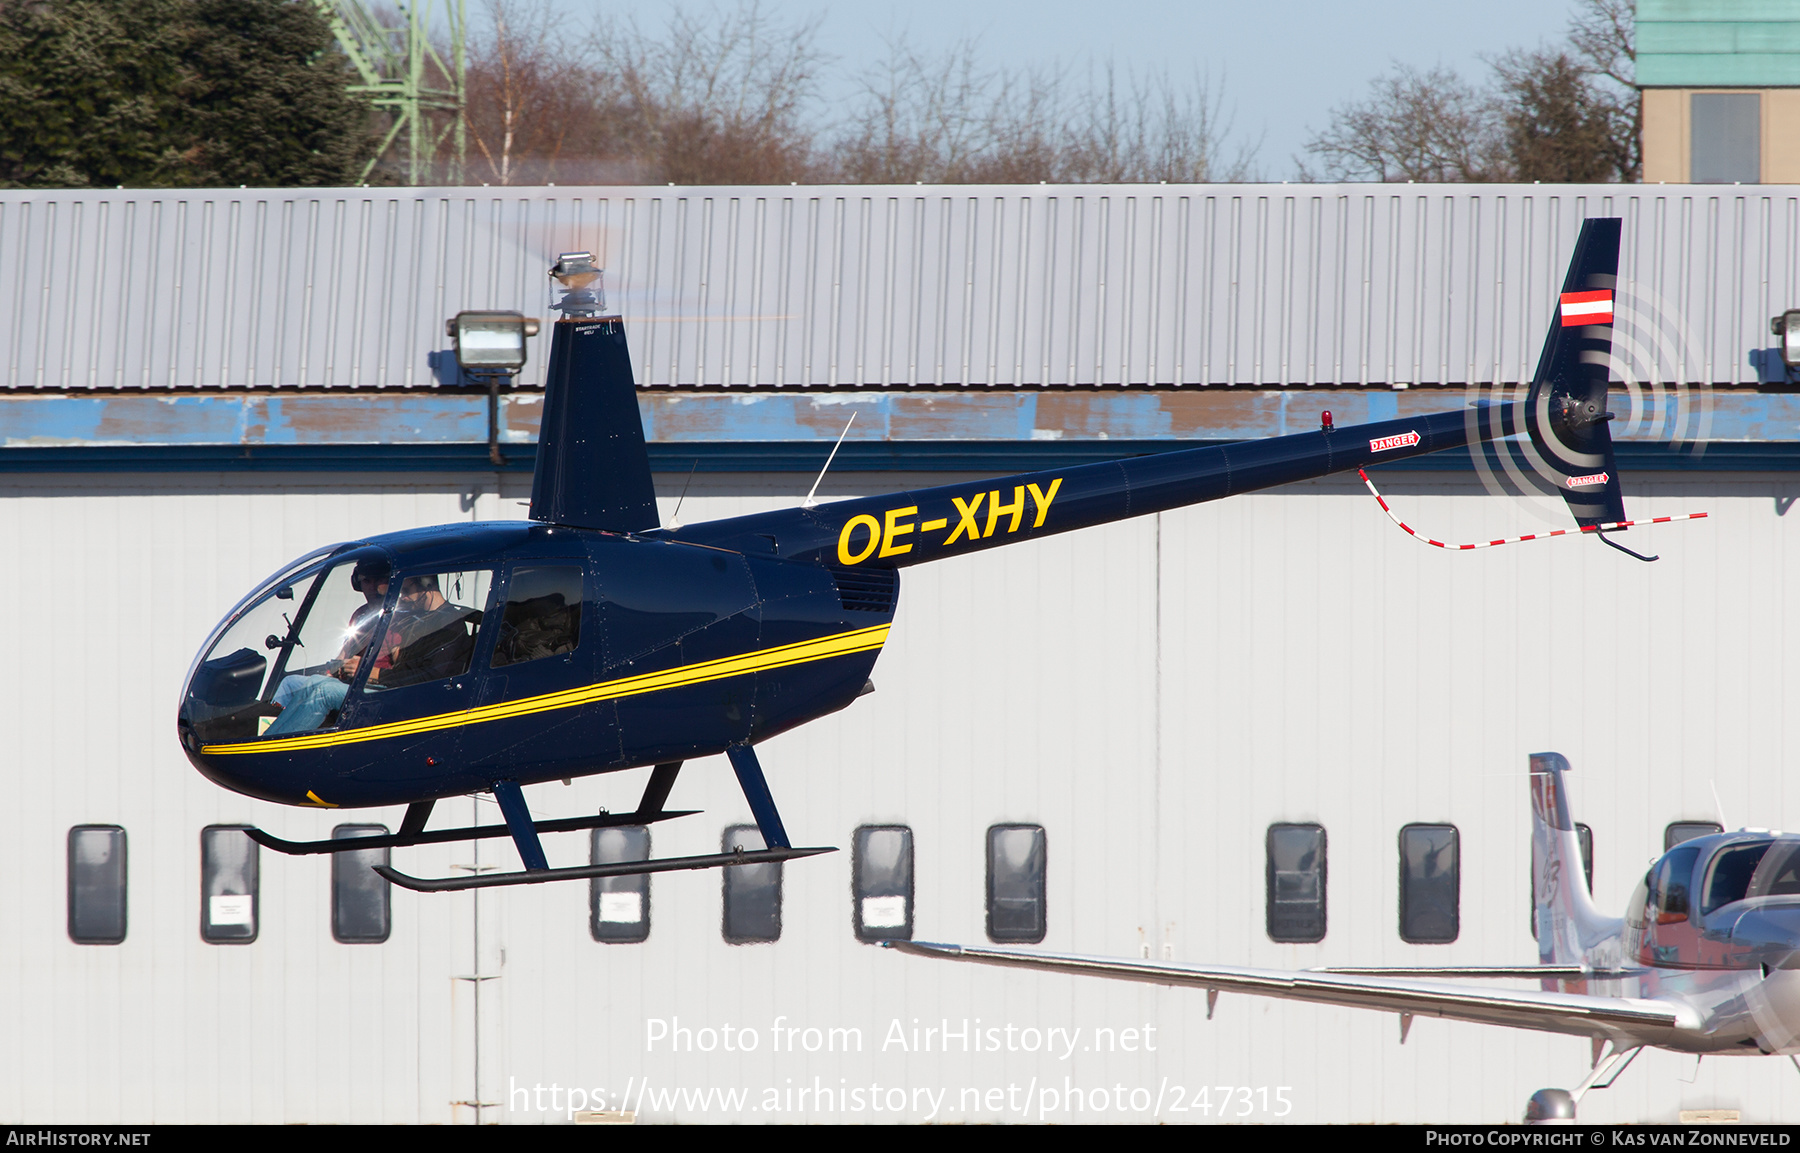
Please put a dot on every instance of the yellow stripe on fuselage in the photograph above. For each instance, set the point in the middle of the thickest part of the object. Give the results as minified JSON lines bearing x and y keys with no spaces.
{"x":841,"y":644}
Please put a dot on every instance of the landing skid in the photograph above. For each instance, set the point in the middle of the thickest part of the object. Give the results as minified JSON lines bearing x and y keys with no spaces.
{"x":438,"y":836}
{"x":616,"y":869}
{"x":524,"y":832}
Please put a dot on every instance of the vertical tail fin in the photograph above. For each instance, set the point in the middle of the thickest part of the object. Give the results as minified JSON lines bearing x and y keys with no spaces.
{"x":1568,"y":924}
{"x":1566,"y":411}
{"x":593,"y":469}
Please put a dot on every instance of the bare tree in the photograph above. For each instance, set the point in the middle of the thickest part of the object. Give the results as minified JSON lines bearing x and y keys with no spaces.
{"x":1149,"y":129}
{"x":920,"y":119}
{"x":944,"y":119}
{"x":718,"y":99}
{"x":731,"y":98}
{"x":1559,"y":126}
{"x":534,"y":108}
{"x":1553,"y":114}
{"x":1602,"y":34}
{"x":1425,"y":126}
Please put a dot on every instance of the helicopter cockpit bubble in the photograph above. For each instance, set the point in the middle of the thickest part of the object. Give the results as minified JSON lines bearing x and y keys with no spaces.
{"x":302,"y":627}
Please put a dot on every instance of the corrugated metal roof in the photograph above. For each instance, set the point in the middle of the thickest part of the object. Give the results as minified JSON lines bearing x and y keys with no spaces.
{"x":912,"y":285}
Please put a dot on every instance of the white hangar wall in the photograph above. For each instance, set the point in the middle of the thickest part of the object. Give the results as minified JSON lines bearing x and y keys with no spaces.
{"x":1153,"y":693}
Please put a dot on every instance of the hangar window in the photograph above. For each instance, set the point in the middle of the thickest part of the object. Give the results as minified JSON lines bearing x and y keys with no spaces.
{"x":619,"y":907}
{"x":1015,"y":883}
{"x":359,"y":895}
{"x":1688,"y":830}
{"x":1585,"y":836}
{"x":229,"y":874}
{"x":1725,"y":137}
{"x":1430,"y":884}
{"x":97,"y":884}
{"x":543,"y":614}
{"x":882,"y":866}
{"x":1295,"y":888}
{"x":752,"y":892}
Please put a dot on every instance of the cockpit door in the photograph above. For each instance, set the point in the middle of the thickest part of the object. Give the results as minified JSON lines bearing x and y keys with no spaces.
{"x":419,"y":664}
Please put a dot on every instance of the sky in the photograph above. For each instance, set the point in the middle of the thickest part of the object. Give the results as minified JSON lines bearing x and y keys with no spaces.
{"x":1278,"y":69}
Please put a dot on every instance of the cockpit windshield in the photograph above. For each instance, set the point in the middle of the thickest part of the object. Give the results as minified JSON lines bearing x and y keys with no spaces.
{"x":1669,"y":880}
{"x":298,"y":642}
{"x":1778,"y":875}
{"x":1728,"y":878}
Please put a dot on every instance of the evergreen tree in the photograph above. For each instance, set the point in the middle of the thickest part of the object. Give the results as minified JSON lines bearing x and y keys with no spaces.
{"x":175,"y":93}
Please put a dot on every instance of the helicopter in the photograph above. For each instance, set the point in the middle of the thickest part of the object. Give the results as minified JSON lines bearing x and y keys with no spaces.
{"x":468,"y":658}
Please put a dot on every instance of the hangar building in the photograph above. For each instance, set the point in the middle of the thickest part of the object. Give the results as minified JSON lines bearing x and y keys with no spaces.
{"x":201,"y":386}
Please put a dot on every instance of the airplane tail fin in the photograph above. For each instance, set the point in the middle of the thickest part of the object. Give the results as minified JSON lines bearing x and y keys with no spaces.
{"x":593,"y":468}
{"x":1566,"y":407}
{"x":1567,"y":921}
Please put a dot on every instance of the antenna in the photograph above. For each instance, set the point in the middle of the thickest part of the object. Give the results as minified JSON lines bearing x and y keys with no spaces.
{"x":1718,"y":804}
{"x":809,"y":502}
{"x":675,"y":517}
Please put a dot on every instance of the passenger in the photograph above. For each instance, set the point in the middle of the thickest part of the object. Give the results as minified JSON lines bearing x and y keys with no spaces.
{"x":305,"y":700}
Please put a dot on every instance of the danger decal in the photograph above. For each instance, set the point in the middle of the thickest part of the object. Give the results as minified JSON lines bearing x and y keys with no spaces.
{"x":1399,"y":440}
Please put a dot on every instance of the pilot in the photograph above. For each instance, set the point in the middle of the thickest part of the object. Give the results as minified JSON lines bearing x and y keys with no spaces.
{"x":306,"y":700}
{"x":433,"y":638}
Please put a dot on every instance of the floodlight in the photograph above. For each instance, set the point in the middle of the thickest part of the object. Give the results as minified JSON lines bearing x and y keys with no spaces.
{"x":490,"y":343}
{"x":1787,"y":328}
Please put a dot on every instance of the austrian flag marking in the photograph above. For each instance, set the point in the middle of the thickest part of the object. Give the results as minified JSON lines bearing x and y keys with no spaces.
{"x":1399,"y":440}
{"x":1592,"y":478}
{"x":1594,"y":307}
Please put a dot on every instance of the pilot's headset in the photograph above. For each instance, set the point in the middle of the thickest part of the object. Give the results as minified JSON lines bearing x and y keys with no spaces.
{"x":373,"y":572}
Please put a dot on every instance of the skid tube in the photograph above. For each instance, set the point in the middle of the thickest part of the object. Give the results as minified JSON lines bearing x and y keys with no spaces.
{"x":403,"y":839}
{"x":580,"y":872}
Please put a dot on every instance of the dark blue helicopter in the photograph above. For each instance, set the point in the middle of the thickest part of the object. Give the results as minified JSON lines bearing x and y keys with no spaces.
{"x":470,"y":658}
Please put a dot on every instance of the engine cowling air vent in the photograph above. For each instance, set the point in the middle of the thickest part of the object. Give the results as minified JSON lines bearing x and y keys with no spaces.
{"x":866,"y":589}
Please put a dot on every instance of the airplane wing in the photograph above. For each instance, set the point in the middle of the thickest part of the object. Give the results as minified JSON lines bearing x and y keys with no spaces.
{"x":1619,"y":1019}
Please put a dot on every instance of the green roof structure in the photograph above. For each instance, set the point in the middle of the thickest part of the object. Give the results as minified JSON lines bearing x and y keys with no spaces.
{"x":1718,"y":43}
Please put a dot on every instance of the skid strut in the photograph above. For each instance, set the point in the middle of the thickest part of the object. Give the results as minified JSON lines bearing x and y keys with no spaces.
{"x":525,"y":832}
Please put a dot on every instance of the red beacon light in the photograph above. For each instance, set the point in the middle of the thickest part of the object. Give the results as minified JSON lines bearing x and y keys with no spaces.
{"x":1325,"y":421}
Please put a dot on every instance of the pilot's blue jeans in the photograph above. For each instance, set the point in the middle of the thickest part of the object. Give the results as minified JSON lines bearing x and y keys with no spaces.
{"x":305,"y":703}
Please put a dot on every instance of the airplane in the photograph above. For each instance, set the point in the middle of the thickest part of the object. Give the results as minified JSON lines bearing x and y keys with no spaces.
{"x":1706,"y":959}
{"x":485,"y":657}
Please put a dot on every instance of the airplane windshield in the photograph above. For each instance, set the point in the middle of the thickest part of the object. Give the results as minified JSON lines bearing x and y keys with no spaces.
{"x":1779,"y":873}
{"x":1669,"y":883}
{"x":1729,"y":878}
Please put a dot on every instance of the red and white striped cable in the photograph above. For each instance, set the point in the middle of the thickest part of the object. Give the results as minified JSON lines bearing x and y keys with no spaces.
{"x":1410,"y":531}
